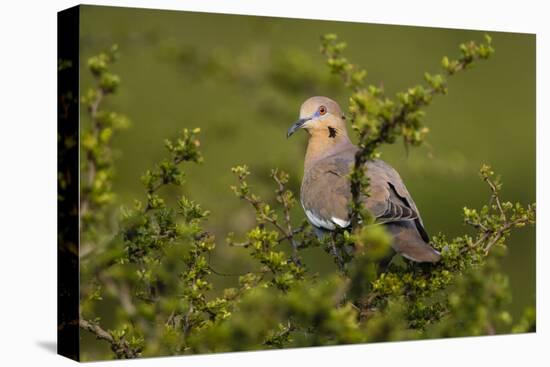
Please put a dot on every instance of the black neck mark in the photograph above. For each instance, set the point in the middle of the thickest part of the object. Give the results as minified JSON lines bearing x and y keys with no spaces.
{"x":331,"y":132}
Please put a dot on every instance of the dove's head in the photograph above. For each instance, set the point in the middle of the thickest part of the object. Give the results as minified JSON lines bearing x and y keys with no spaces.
{"x":320,"y":116}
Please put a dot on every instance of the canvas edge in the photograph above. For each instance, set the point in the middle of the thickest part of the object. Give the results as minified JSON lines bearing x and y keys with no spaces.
{"x":68,"y":214}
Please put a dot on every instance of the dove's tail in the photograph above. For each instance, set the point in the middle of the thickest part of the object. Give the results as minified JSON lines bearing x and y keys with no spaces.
{"x":408,"y":242}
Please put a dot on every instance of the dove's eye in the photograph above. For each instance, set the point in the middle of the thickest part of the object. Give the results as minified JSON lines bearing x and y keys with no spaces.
{"x":322,"y":110}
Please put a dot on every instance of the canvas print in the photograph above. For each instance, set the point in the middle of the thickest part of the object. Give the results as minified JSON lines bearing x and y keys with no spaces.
{"x":235,"y":183}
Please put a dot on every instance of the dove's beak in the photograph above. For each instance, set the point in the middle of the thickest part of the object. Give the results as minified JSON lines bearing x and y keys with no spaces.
{"x":297,"y":125}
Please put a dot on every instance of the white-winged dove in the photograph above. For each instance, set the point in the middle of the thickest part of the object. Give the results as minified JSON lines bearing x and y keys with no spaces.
{"x":326,"y":193}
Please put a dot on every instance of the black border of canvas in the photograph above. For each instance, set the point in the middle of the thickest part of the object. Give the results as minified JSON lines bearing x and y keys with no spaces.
{"x":68,"y":34}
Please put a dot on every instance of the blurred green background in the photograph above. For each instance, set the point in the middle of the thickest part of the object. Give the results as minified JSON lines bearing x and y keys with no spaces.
{"x":242,"y":79}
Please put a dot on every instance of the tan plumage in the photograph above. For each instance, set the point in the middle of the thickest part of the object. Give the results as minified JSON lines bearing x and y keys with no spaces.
{"x":325,"y":192}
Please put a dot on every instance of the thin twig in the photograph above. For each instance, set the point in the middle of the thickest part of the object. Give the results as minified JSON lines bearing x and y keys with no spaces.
{"x":258,"y":207}
{"x":336,"y":254}
{"x":495,"y":196}
{"x":85,"y":204}
{"x":286,"y":211}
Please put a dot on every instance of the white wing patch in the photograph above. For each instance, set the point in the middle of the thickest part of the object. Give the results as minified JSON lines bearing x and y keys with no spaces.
{"x":318,"y":222}
{"x":325,"y":224}
{"x":341,"y":223}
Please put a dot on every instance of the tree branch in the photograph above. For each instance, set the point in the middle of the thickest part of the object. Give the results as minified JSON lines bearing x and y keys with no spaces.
{"x":120,"y":347}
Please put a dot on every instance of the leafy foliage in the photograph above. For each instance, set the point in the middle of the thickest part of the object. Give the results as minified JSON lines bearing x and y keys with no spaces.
{"x":155,"y":276}
{"x":97,"y":165}
{"x":378,"y":119}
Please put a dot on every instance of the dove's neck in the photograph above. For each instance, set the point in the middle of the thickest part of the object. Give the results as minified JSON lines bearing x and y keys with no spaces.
{"x":322,"y":144}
